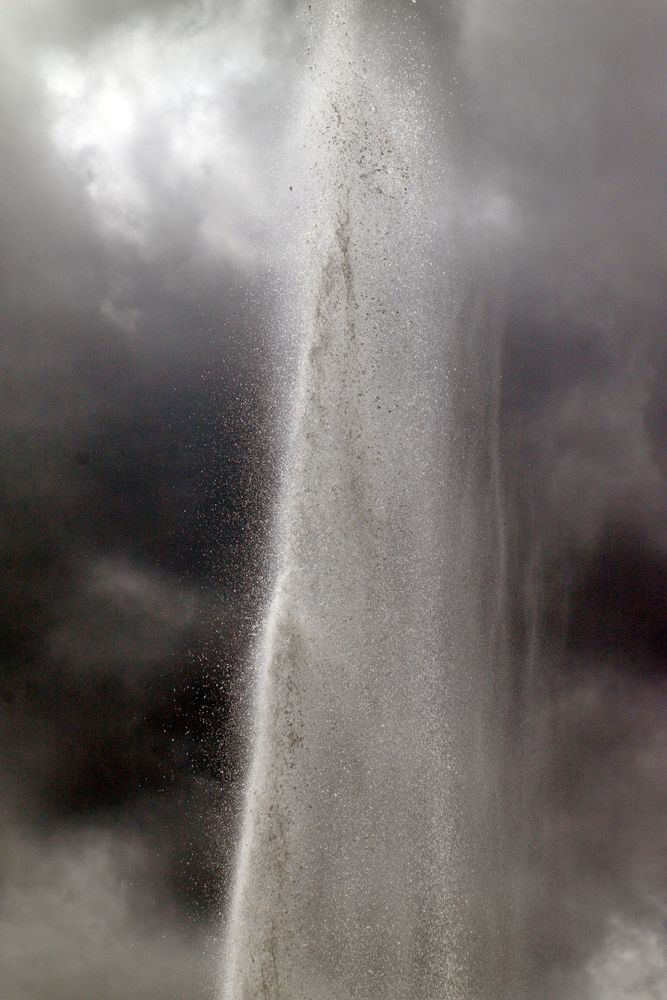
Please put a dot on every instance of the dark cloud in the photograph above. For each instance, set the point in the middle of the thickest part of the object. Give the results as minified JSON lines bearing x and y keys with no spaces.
{"x":618,"y":601}
{"x":132,"y":432}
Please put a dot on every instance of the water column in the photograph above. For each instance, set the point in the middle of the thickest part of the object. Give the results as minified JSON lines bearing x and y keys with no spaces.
{"x":355,"y":871}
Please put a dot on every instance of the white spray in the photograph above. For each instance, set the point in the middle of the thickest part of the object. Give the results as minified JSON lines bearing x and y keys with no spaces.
{"x":356,"y":874}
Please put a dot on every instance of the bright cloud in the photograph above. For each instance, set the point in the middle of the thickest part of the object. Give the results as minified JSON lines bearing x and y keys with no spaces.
{"x":154,"y":118}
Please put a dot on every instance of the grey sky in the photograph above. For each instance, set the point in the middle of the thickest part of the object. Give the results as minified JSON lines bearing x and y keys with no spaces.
{"x":141,"y":197}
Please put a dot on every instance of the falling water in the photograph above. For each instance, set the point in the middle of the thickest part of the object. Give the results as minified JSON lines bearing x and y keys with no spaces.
{"x":364,"y":868}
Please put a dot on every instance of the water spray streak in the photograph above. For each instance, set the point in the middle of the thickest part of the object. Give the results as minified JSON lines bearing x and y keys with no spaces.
{"x":356,"y":875}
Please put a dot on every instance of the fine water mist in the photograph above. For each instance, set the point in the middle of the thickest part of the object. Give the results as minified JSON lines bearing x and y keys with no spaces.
{"x":370,"y":852}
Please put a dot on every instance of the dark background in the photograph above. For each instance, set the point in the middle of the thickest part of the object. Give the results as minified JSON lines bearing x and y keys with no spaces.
{"x":140,"y":249}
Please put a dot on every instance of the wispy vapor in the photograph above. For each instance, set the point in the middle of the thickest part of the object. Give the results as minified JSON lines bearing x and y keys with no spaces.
{"x":565,"y":124}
